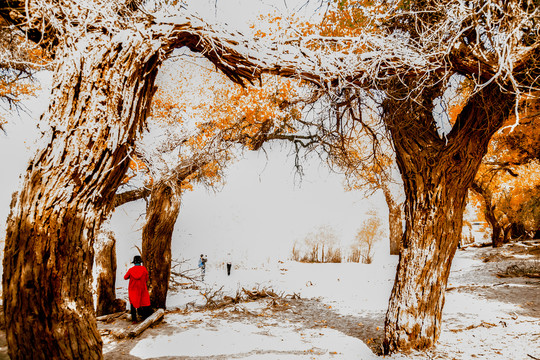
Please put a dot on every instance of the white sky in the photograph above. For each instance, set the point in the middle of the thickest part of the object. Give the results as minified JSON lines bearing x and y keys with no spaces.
{"x":239,"y":14}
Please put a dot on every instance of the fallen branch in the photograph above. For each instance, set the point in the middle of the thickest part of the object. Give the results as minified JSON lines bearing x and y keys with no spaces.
{"x":259,"y":293}
{"x":151,"y":320}
{"x":470,"y":327}
{"x":215,"y":300}
{"x":176,"y":272}
{"x":209,"y":295}
{"x":524,"y":269}
{"x":110,"y":317}
{"x":121,"y":333}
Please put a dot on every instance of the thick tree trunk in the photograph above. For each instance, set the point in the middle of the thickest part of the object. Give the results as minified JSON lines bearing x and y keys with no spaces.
{"x":436,"y":175}
{"x":105,"y":248}
{"x":101,"y":92}
{"x":157,"y":233}
{"x":507,"y":233}
{"x":497,"y":231}
{"x":497,"y":236}
{"x":395,"y":221}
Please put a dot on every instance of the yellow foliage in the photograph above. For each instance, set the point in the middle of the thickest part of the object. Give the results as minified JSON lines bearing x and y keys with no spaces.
{"x":19,"y":59}
{"x":136,"y":167}
{"x":222,"y":109}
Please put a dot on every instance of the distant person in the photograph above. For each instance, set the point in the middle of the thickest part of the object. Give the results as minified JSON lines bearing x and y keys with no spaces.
{"x":139,"y":298}
{"x":229,"y":264}
{"x":202,"y":265}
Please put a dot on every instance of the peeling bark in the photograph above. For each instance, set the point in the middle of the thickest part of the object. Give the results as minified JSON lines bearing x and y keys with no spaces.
{"x":436,"y":177}
{"x":101,"y":92}
{"x":105,"y":248}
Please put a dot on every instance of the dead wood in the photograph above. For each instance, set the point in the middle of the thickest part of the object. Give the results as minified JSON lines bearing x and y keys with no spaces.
{"x":216,"y":300}
{"x":260,"y":293}
{"x":212,"y":298}
{"x":151,"y":320}
{"x":523,"y":269}
{"x":119,"y":332}
{"x":122,"y":332}
{"x":110,"y":317}
{"x":177,"y":272}
{"x":470,"y":327}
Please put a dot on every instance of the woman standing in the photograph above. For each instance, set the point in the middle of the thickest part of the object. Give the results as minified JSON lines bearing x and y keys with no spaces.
{"x":139,"y":298}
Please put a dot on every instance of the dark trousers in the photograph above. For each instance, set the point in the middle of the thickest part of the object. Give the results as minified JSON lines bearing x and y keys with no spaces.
{"x":143,"y":312}
{"x":229,"y":266}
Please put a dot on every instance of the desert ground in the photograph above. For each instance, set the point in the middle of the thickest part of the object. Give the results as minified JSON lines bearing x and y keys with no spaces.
{"x":336,"y":311}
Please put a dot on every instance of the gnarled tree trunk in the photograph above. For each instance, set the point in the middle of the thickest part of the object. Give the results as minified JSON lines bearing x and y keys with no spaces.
{"x":101,"y":92}
{"x":436,"y":176}
{"x":157,"y":233}
{"x":497,"y":230}
{"x":105,"y":248}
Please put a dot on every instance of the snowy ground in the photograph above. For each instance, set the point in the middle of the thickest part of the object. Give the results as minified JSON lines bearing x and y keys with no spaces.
{"x":341,"y":314}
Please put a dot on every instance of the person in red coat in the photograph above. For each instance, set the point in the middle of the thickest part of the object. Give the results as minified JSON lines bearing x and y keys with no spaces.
{"x":139,"y":298}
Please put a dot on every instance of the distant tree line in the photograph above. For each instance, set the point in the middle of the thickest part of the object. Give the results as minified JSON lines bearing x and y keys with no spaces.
{"x":323,"y":245}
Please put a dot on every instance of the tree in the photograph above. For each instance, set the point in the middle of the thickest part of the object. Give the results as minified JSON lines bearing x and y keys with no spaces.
{"x":437,"y":170}
{"x":107,"y":59}
{"x":105,"y":247}
{"x":509,"y":199}
{"x":321,"y":245}
{"x":365,"y":238}
{"x":506,"y":180}
{"x":438,"y":163}
{"x":49,"y":248}
{"x":103,"y":84}
{"x":226,"y":115}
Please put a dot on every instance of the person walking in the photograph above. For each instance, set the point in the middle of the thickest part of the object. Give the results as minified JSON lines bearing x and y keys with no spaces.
{"x":202,"y":265}
{"x":229,"y":264}
{"x":139,"y":298}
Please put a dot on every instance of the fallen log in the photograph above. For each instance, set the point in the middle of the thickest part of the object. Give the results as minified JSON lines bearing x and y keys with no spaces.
{"x":107,"y":318}
{"x":151,"y":320}
{"x":121,"y":333}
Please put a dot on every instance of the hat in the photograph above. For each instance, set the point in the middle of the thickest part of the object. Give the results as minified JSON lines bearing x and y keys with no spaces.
{"x":137,"y":260}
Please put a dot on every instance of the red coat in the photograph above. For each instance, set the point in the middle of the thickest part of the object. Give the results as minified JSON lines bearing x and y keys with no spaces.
{"x":137,"y":290}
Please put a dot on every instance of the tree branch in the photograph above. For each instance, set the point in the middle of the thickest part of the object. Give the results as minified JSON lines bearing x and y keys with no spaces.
{"x":131,"y":195}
